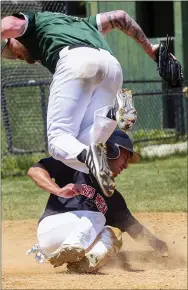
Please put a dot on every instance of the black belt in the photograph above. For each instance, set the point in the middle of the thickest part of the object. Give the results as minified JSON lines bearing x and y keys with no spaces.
{"x":72,"y":46}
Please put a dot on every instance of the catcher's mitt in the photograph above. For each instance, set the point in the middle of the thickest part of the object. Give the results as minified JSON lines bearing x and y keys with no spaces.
{"x":170,"y":70}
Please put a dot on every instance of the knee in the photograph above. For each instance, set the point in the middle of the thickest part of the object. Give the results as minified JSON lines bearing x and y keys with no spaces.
{"x":51,"y":149}
{"x":49,"y":238}
{"x":48,"y":245}
{"x":55,"y":152}
{"x":113,"y":236}
{"x":102,"y":218}
{"x":99,"y":218}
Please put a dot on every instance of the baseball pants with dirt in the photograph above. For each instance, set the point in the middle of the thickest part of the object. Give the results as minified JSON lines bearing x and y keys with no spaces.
{"x":70,"y":228}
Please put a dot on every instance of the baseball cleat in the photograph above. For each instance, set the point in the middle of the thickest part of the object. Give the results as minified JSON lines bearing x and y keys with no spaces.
{"x":67,"y":253}
{"x":91,"y":263}
{"x":111,"y":239}
{"x":40,"y":257}
{"x":96,"y":161}
{"x":125,"y":112}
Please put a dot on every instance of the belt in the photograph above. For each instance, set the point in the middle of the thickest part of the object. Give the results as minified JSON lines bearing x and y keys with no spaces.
{"x":72,"y":46}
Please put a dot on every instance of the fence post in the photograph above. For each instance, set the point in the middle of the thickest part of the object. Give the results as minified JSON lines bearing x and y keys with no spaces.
{"x":6,"y":121}
{"x":185,"y":106}
{"x":179,"y":115}
{"x":44,"y":114}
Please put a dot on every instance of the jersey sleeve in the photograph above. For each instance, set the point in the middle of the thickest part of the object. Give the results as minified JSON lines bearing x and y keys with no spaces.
{"x":52,"y":165}
{"x":30,"y":22}
{"x":122,"y":217}
{"x":95,"y":21}
{"x":92,"y":20}
{"x":58,"y":170}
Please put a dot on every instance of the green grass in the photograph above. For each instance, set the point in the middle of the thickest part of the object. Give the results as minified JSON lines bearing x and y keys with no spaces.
{"x":22,"y":199}
{"x":19,"y":164}
{"x":159,"y":185}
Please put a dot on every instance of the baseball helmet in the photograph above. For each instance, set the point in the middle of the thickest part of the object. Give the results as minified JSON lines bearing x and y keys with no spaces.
{"x":5,"y":51}
{"x":120,"y":139}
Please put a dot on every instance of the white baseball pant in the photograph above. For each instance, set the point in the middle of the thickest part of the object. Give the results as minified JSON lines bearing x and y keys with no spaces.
{"x":77,"y":227}
{"x":84,"y":86}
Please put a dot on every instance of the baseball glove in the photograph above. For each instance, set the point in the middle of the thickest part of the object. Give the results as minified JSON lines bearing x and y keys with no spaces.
{"x":170,"y":70}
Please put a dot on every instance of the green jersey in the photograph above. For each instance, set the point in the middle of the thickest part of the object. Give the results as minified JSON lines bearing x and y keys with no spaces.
{"x":48,"y":33}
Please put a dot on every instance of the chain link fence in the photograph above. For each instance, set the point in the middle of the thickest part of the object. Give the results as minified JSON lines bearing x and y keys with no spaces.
{"x":162,"y":117}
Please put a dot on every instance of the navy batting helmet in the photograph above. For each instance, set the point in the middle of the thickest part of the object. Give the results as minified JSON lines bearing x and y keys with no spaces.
{"x":120,"y":139}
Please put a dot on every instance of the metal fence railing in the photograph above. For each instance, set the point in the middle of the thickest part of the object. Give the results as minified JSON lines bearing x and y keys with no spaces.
{"x":162,"y":113}
{"x":24,"y":109}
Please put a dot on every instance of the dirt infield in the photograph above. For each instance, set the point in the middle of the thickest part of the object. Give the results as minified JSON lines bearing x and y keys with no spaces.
{"x":136,"y":267}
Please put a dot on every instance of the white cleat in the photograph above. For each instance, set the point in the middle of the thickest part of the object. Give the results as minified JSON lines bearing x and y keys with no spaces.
{"x":126,"y":114}
{"x":40,"y":257}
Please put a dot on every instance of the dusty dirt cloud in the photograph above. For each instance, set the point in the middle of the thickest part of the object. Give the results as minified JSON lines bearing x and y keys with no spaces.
{"x":135,"y":267}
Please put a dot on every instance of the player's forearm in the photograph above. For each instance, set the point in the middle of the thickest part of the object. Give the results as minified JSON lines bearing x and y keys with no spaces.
{"x":12,"y":27}
{"x":141,"y":234}
{"x":42,"y":179}
{"x":121,"y":20}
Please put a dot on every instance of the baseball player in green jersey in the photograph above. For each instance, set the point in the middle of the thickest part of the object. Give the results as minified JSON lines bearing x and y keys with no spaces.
{"x":86,"y":102}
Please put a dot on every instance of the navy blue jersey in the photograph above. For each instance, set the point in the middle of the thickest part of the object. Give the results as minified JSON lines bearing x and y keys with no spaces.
{"x":114,"y":208}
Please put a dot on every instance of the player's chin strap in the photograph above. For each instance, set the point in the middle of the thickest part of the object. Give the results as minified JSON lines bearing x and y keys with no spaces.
{"x":40,"y":257}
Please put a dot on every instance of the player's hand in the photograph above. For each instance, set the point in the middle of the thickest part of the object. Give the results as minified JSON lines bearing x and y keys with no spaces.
{"x":154,"y":53}
{"x":161,"y":247}
{"x":70,"y":190}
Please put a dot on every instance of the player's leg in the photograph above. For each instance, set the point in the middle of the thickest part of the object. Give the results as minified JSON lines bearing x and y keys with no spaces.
{"x":51,"y":232}
{"x":77,"y":76}
{"x":101,"y":112}
{"x":65,"y":237}
{"x":107,"y":244}
{"x":54,"y":229}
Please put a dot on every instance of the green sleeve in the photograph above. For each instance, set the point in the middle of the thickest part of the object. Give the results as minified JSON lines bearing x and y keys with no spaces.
{"x":92,"y":20}
{"x":31,"y":21}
